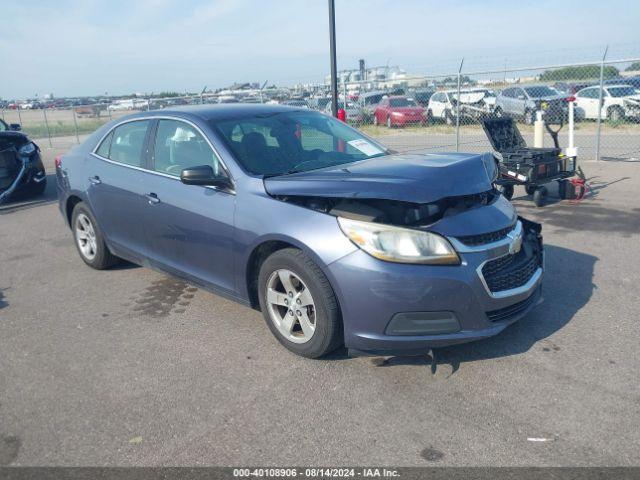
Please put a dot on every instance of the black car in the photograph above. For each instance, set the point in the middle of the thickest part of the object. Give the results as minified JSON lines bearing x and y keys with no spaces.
{"x":21,"y":168}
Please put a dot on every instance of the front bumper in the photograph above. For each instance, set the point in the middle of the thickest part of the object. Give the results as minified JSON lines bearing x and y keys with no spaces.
{"x":372,"y":292}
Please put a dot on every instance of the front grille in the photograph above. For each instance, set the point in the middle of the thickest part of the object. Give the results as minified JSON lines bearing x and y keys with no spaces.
{"x":510,"y":311}
{"x":510,"y":271}
{"x":484,"y":238}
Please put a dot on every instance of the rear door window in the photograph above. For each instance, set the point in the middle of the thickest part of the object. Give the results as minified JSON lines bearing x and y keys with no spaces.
{"x":127,"y":143}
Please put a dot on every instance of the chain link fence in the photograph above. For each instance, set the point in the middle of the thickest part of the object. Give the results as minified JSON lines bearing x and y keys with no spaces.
{"x":413,"y":113}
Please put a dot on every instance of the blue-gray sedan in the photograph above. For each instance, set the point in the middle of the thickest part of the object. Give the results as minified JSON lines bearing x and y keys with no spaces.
{"x":336,"y":239}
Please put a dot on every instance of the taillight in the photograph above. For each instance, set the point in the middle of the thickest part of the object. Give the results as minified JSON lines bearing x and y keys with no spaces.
{"x":58,"y":161}
{"x":571,"y":99}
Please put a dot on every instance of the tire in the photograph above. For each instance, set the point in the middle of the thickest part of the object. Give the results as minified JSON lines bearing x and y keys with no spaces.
{"x":615,"y":114}
{"x":429,"y":117}
{"x":321,"y":311}
{"x":530,"y":189}
{"x":448,"y":117}
{"x":506,"y":191}
{"x":539,"y":196}
{"x":389,"y":124}
{"x":529,"y":117}
{"x":92,"y":248}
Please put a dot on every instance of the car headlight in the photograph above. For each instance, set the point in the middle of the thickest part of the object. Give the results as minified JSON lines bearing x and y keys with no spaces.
{"x":27,"y":149}
{"x":400,"y":245}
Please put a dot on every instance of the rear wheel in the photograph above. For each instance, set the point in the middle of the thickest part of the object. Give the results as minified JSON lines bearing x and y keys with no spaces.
{"x":89,"y":239}
{"x":540,"y":196}
{"x":298,"y":304}
{"x":530,"y":189}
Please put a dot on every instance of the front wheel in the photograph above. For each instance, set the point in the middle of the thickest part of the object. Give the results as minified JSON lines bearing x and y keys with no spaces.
{"x":529,"y":117}
{"x":89,"y":239}
{"x":298,"y":304}
{"x":506,"y":191}
{"x":615,"y":114}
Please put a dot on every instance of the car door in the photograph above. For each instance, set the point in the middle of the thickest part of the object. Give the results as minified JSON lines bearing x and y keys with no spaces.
{"x":190,"y":228}
{"x":437,"y":105}
{"x":587,"y":102}
{"x":116,"y":186}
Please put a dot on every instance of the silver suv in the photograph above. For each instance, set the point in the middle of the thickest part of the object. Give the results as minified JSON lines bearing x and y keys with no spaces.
{"x":523,"y":102}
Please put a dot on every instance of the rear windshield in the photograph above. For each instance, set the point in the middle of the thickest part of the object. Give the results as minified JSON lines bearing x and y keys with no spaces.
{"x":373,"y":99}
{"x":402,"y":102}
{"x":539,"y":92}
{"x":621,"y":91}
{"x":286,"y":142}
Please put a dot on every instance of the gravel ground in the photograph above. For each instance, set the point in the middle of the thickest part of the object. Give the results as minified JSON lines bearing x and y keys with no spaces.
{"x":130,"y":367}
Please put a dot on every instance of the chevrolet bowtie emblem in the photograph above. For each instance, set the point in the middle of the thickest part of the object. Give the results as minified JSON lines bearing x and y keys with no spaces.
{"x":516,"y":242}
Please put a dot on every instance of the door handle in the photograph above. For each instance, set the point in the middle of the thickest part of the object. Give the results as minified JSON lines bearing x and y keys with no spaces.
{"x":152,"y":198}
{"x":95,"y":180}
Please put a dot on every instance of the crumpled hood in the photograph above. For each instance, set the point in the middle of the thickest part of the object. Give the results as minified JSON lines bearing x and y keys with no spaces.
{"x":418,"y":178}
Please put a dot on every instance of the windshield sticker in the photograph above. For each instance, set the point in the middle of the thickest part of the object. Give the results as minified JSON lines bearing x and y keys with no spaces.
{"x":365,"y":147}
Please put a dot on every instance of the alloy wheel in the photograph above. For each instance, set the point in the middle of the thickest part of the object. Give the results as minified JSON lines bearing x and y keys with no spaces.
{"x":290,"y":305}
{"x":86,"y":236}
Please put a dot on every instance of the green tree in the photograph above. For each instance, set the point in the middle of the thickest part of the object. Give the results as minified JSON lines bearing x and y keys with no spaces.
{"x":633,"y":67}
{"x":582,"y":72}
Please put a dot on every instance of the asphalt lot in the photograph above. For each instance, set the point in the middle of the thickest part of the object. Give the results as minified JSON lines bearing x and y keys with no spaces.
{"x":130,"y":367}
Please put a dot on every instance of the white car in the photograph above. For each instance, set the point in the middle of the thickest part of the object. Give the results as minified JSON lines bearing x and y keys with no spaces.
{"x":474,"y":103}
{"x":618,"y":102}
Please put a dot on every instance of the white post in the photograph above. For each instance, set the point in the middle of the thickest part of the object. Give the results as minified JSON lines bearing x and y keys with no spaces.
{"x":538,"y":131}
{"x":571,"y":150}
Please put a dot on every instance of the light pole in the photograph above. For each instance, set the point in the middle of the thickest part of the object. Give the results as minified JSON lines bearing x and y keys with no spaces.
{"x":332,"y":54}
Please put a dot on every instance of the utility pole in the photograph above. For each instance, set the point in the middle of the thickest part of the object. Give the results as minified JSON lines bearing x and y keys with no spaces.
{"x":332,"y":54}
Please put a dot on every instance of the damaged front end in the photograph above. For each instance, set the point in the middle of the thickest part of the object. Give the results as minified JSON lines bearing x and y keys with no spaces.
{"x":21,"y":167}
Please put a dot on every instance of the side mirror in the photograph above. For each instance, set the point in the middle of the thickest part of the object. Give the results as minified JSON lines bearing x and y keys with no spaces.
{"x":204,"y":175}
{"x":15,"y":127}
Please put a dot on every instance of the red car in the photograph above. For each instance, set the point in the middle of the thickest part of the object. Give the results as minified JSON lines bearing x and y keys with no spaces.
{"x":398,"y":111}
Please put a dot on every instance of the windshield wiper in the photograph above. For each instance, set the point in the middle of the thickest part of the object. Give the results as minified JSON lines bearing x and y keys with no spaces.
{"x":287,"y":172}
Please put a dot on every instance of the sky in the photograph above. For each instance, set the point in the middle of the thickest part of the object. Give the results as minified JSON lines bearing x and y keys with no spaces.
{"x":93,"y":47}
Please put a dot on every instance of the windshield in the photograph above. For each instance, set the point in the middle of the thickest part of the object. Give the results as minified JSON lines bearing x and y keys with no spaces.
{"x":621,"y":91}
{"x":283,"y":142}
{"x":402,"y":102}
{"x":539,"y":92}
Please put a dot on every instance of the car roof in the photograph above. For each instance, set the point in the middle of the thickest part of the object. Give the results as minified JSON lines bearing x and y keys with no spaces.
{"x":220,"y":112}
{"x":617,"y":85}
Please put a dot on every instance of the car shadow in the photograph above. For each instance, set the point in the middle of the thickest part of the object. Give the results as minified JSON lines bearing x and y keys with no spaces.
{"x":23,"y":201}
{"x":567,"y":287}
{"x":3,"y":301}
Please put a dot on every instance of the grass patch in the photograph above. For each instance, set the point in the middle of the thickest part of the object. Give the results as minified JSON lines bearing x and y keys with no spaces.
{"x":62,"y":129}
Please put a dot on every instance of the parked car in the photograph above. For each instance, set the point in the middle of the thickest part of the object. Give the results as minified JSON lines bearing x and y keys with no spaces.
{"x":368,"y":102}
{"x":570,"y":88}
{"x":422,"y":96}
{"x":399,"y":111}
{"x":474,"y":103}
{"x":297,"y":103}
{"x":525,"y":101}
{"x":292,"y":212}
{"x":618,"y":102}
{"x":319,"y":103}
{"x":353,"y":111}
{"x":633,"y":81}
{"x":21,"y":168}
